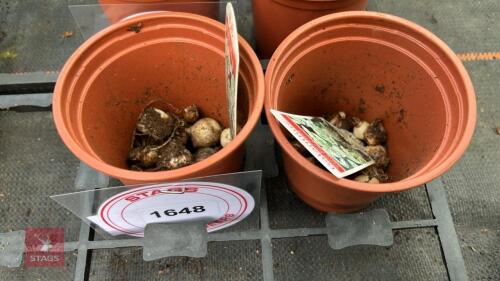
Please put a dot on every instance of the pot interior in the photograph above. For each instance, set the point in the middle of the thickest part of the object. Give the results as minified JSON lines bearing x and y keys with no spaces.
{"x":132,"y":74}
{"x":371,"y":80}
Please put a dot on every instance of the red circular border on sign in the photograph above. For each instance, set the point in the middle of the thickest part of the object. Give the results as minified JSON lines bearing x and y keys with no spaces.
{"x":110,"y":224}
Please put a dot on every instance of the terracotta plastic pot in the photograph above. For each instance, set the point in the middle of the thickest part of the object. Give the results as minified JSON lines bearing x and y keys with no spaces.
{"x":372,"y":65}
{"x":275,"y":19}
{"x":177,"y":59}
{"x":116,"y":13}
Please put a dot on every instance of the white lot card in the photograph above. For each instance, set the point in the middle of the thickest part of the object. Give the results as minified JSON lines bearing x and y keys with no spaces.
{"x":128,"y":212}
{"x":232,"y":54}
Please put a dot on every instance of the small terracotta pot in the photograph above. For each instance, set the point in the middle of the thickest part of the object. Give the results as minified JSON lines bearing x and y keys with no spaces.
{"x":130,"y":7}
{"x":275,"y":19}
{"x":176,"y":59}
{"x":372,"y":65}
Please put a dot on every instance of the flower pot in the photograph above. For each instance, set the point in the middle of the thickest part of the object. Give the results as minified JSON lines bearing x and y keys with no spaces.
{"x":116,"y":13}
{"x":276,"y":19}
{"x":176,"y":59}
{"x":372,"y":65}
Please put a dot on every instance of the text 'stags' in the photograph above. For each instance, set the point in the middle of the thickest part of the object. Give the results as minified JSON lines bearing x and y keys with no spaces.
{"x":44,"y":247}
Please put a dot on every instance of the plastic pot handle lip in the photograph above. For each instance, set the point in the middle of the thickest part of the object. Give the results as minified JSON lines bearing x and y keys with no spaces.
{"x":438,"y":170}
{"x":86,"y":157}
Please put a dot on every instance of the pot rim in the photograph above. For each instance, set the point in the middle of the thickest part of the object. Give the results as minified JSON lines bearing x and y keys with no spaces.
{"x":420,"y":177}
{"x":128,"y":175}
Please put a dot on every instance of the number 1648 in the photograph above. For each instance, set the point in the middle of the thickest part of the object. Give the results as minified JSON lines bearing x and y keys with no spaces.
{"x":186,"y":210}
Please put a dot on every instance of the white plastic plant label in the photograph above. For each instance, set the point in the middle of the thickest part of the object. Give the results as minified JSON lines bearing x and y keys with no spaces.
{"x":128,"y":212}
{"x":232,"y":54}
{"x":326,"y":143}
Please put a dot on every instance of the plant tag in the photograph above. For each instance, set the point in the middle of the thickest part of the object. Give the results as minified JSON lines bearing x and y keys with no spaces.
{"x":326,"y":143}
{"x":128,"y":212}
{"x":232,"y":56}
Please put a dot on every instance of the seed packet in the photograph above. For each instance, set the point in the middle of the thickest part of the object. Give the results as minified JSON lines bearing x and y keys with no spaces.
{"x":331,"y":146}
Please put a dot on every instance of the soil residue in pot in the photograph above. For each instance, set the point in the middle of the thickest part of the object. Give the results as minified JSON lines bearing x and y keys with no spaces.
{"x":380,"y":88}
{"x":165,"y":140}
{"x":136,"y":28}
{"x":156,"y":123}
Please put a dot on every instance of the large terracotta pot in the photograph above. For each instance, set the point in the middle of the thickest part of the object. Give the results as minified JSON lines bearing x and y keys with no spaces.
{"x":176,"y":58}
{"x":128,"y":8}
{"x":276,"y":19}
{"x":372,"y":65}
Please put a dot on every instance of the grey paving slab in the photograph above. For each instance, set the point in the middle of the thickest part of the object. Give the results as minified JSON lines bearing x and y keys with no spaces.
{"x":34,"y":165}
{"x":41,"y":273}
{"x":407,"y":205}
{"x":481,"y":251}
{"x":285,"y":208}
{"x":238,"y":260}
{"x":415,"y":255}
{"x":31,"y":30}
{"x":473,"y":184}
{"x":467,"y":26}
{"x":31,"y":33}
